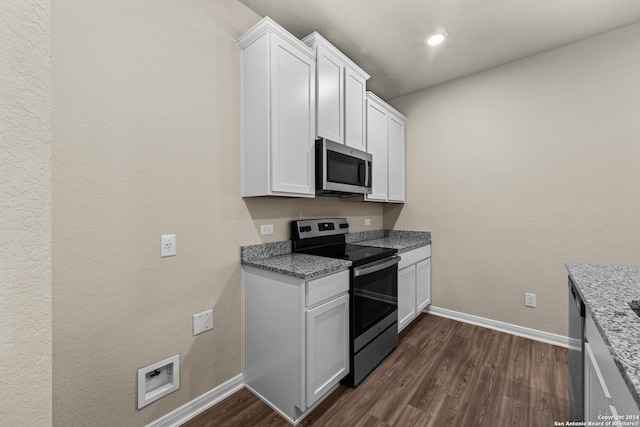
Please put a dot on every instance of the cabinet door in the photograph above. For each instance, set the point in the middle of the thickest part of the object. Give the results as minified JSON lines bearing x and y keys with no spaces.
{"x":292,"y":120}
{"x":406,"y":296}
{"x":354,"y":106}
{"x":396,"y":159}
{"x":327,"y":346}
{"x":377,"y":147}
{"x":423,"y":284}
{"x":597,"y":400}
{"x":330,"y":96}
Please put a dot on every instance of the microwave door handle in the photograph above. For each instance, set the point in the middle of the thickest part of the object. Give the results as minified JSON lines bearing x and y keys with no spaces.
{"x":363,"y":175}
{"x":367,"y":174}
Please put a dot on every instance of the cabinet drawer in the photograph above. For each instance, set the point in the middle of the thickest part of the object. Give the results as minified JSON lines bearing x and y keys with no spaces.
{"x":413,"y":256}
{"x":326,"y":287}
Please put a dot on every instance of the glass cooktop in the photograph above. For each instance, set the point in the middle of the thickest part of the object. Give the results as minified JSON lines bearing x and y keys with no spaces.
{"x":358,"y":255}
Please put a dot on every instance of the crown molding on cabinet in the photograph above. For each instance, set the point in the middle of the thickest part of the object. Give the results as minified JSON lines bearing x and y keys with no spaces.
{"x":267,"y":24}
{"x":388,"y":107}
{"x":316,"y":39}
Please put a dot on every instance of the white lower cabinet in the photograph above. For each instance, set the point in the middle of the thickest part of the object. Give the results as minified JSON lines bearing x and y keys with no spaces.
{"x":406,"y":296}
{"x":423,"y":291}
{"x":414,"y":284}
{"x":296,"y":338}
{"x":605,"y":391}
{"x":597,"y":397}
{"x":327,"y":346}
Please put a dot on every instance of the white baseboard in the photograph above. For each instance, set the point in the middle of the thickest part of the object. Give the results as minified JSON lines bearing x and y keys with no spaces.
{"x":199,"y":404}
{"x":508,"y":328}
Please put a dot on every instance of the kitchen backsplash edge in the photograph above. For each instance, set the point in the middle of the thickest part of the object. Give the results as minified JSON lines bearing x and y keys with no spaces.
{"x":265,"y":250}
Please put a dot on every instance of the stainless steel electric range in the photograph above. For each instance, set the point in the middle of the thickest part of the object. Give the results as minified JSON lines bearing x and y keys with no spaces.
{"x":373,"y":290}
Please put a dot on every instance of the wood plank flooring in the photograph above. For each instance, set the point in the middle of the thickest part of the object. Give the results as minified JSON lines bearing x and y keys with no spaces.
{"x":443,"y":373}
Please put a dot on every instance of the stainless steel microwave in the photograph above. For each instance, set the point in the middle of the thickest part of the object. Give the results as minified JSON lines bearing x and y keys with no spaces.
{"x":341,"y":170}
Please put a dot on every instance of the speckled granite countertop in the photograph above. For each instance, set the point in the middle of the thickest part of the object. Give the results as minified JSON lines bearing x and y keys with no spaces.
{"x":606,"y":291}
{"x":300,"y":265}
{"x":396,"y":239}
{"x":277,"y":256}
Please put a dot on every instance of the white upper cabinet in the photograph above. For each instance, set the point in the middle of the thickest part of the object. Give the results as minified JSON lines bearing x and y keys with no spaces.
{"x":355,"y":88}
{"x":385,"y":142}
{"x":278,"y":113}
{"x":329,"y":95}
{"x":340,"y":94}
{"x":396,"y":158}
{"x":377,"y":125}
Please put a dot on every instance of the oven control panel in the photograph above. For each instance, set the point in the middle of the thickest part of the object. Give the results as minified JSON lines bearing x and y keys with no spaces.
{"x":307,"y":228}
{"x":326,"y":226}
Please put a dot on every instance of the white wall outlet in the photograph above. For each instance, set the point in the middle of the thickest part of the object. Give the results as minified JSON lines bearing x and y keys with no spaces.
{"x":202,"y":322}
{"x":167,"y":245}
{"x":367,"y":221}
{"x":529,"y":299}
{"x":158,"y":380}
{"x":266,"y":229}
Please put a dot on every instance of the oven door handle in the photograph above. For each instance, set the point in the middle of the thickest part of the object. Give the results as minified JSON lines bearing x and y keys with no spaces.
{"x":368,"y":269}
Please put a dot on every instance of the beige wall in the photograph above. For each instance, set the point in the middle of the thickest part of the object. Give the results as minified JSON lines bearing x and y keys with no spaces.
{"x":514,"y":170}
{"x":146,"y":120}
{"x":521,"y":168}
{"x":25,"y":213}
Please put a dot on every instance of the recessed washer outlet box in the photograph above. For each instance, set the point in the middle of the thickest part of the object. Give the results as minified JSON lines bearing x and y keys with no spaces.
{"x":158,"y":380}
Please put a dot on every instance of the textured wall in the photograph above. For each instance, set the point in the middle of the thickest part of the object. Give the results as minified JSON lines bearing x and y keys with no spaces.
{"x":521,"y":168}
{"x":25,"y":213}
{"x":146,"y":124}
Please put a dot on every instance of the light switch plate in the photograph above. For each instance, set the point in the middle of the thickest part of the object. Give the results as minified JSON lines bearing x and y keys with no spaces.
{"x":167,"y":245}
{"x":367,"y":221}
{"x":266,"y":229}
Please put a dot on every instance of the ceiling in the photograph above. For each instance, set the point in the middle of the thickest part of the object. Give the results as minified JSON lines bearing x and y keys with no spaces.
{"x":386,"y":38}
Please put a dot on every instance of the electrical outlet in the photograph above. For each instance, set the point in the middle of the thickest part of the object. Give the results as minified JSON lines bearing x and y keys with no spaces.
{"x":266,"y":229}
{"x":202,"y":322}
{"x":367,"y":221}
{"x":529,"y":299}
{"x":167,"y":245}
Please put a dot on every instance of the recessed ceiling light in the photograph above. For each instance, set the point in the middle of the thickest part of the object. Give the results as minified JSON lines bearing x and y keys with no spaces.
{"x":436,"y":38}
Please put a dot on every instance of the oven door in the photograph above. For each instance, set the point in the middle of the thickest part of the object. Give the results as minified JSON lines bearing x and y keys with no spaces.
{"x":374,"y":299}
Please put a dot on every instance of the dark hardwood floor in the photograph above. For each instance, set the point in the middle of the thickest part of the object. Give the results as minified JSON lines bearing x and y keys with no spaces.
{"x":443,"y":373}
